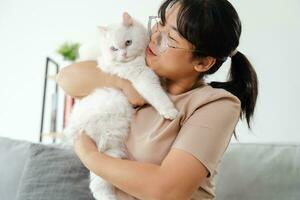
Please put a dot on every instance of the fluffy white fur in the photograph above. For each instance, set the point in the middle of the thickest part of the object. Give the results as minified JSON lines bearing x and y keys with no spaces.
{"x":105,"y":115}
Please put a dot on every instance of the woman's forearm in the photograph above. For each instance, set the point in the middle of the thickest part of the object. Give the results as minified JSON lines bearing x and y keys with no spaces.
{"x":80,"y":79}
{"x":138,"y":179}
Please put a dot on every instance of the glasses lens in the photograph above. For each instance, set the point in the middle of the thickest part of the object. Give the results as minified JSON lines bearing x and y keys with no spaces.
{"x":162,"y":42}
{"x":153,"y":24}
{"x":162,"y":37}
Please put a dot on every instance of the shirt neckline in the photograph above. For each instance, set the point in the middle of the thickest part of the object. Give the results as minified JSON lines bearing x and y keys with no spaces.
{"x":189,"y":91}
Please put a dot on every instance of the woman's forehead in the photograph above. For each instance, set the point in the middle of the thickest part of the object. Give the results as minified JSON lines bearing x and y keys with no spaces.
{"x":171,"y":14}
{"x":171,"y":20}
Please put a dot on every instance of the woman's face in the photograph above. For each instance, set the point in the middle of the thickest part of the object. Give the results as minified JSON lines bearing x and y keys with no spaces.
{"x":173,"y":64}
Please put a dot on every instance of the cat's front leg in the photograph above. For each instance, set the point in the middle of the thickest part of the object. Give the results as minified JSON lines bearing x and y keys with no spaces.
{"x":149,"y":86}
{"x":116,"y":153}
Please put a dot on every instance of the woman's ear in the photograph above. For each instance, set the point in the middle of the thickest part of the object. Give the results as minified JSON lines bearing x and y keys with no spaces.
{"x":204,"y":64}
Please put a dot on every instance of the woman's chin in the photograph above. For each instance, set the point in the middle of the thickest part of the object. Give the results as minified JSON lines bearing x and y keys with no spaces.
{"x":148,"y":62}
{"x":152,"y":65}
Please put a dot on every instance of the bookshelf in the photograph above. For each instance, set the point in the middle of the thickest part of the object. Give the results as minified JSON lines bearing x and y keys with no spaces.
{"x":54,"y":116}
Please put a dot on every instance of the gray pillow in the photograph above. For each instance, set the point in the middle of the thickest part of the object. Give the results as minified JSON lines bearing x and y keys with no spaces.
{"x":53,"y":173}
{"x":13,"y":156}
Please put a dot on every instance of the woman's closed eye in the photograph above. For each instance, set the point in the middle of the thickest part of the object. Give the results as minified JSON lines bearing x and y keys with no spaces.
{"x":172,"y":40}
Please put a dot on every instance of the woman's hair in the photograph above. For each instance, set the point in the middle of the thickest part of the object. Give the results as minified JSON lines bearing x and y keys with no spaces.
{"x":214,"y":28}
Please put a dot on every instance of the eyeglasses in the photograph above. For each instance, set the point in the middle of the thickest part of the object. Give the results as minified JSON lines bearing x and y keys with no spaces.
{"x":163,"y":40}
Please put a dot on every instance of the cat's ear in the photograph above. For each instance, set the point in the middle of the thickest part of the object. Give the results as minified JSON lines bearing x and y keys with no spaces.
{"x":127,"y":19}
{"x":103,"y":30}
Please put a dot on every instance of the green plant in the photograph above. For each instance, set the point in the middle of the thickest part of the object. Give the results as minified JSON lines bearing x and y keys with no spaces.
{"x":69,"y":51}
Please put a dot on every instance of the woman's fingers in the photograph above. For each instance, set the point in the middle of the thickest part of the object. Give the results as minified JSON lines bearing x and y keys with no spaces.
{"x":133,"y":96}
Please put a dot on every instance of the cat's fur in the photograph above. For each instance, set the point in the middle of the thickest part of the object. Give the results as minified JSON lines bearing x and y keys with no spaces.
{"x":105,"y":114}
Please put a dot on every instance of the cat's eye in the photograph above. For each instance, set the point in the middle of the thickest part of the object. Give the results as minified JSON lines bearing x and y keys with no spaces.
{"x":113,"y":48}
{"x":128,"y":43}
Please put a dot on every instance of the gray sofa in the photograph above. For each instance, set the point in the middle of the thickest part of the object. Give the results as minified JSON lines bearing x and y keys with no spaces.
{"x":31,"y":171}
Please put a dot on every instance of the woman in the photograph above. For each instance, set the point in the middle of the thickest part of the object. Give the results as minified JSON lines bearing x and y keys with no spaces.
{"x":176,"y":159}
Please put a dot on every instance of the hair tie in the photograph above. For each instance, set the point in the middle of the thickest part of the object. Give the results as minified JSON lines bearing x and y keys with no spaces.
{"x":233,"y":53}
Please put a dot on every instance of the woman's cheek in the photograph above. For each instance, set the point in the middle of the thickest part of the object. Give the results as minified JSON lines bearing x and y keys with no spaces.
{"x":163,"y":66}
{"x":152,"y":62}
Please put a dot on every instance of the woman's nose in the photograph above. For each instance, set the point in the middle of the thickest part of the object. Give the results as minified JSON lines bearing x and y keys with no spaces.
{"x":155,"y":37}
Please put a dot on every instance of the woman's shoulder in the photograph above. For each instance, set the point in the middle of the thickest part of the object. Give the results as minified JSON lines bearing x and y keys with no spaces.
{"x":211,"y":94}
{"x":206,"y":96}
{"x":217,"y":100}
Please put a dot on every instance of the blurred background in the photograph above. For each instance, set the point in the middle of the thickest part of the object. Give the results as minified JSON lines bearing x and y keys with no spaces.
{"x":32,"y":30}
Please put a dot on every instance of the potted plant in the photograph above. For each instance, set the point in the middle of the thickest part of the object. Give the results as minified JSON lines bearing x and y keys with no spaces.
{"x":69,"y":51}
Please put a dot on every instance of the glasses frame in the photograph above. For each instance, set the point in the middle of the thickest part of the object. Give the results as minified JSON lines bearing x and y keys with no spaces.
{"x":150,"y":19}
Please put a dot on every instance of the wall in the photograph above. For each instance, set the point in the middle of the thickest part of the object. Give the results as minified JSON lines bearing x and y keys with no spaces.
{"x":32,"y":30}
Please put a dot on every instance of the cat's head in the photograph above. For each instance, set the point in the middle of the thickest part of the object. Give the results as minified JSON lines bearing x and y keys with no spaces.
{"x":124,"y":41}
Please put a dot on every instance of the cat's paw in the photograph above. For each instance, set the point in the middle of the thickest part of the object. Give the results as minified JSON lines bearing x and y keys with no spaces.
{"x":170,"y":113}
{"x":117,"y":153}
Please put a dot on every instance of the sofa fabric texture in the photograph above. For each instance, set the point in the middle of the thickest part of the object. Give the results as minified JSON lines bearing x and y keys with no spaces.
{"x":248,"y":171}
{"x":260,"y":172}
{"x":44,"y":172}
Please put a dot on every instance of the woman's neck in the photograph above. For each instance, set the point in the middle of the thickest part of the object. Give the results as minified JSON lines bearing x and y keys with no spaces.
{"x":178,"y":87}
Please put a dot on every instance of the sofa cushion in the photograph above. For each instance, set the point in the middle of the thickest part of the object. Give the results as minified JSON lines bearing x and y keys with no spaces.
{"x":13,"y":156}
{"x":259,"y":171}
{"x":53,"y":173}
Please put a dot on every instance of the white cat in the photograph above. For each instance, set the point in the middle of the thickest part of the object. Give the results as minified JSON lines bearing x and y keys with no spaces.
{"x":106,"y":114}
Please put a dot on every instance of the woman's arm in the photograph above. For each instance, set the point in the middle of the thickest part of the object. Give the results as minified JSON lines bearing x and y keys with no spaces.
{"x":176,"y":178}
{"x":80,"y":79}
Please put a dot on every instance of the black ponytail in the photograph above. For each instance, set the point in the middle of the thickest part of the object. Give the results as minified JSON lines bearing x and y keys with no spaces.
{"x":242,"y":83}
{"x":214,"y":28}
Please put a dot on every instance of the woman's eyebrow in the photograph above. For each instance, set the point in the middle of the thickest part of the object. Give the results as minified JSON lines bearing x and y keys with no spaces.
{"x":174,"y":28}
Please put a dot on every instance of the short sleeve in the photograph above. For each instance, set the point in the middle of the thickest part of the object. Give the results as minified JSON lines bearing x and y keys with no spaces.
{"x":207,"y":132}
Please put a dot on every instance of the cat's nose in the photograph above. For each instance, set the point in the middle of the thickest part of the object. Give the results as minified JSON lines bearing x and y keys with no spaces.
{"x":124,"y":54}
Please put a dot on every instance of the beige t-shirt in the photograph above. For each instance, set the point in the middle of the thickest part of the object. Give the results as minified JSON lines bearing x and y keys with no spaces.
{"x":207,"y":118}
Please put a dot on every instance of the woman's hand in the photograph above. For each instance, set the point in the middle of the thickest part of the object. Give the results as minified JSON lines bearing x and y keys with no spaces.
{"x":133,"y":96}
{"x":84,"y":147}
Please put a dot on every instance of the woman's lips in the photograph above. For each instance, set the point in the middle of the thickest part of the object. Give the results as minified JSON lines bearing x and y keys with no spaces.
{"x":149,"y":51}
